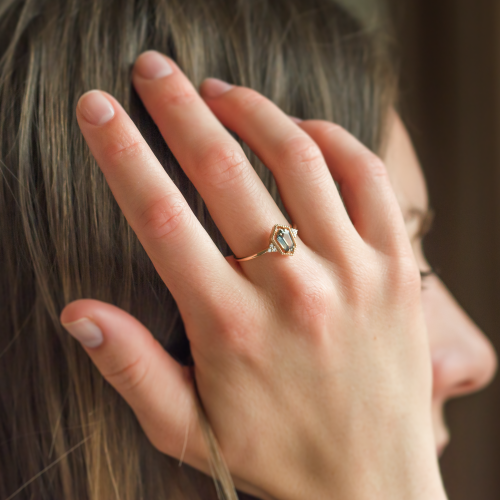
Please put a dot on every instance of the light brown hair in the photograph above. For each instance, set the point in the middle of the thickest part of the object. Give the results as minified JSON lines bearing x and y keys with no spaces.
{"x":64,"y":432}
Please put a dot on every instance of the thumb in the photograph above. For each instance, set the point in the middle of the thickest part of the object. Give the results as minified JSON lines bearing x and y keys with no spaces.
{"x":159,"y":390}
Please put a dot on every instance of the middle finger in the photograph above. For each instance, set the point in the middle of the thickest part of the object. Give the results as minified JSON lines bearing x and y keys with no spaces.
{"x":238,"y":201}
{"x":304,"y":181}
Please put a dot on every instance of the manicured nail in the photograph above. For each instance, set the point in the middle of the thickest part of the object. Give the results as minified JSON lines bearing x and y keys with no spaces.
{"x":96,"y":108}
{"x":85,"y":331}
{"x":295,"y":119}
{"x":213,"y":87}
{"x":152,"y":65}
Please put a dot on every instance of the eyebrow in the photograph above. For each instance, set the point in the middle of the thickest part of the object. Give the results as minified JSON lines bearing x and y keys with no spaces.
{"x":425,"y":217}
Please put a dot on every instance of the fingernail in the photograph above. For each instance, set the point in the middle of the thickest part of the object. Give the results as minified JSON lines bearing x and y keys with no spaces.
{"x":152,"y":65}
{"x":213,"y":87}
{"x":295,"y":119}
{"x":95,"y":108}
{"x":85,"y":331}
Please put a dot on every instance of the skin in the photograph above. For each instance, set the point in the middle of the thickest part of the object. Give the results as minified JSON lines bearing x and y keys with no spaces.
{"x":463,"y":359}
{"x":329,"y":346}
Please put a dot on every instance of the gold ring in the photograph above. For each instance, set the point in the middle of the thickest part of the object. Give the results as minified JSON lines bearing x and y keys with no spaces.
{"x":283,"y":239}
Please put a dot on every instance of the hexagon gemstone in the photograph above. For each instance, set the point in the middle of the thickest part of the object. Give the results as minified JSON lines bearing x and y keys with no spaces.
{"x":285,"y":240}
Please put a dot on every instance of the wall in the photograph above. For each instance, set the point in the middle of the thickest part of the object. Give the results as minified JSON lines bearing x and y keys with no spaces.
{"x":450,"y":99}
{"x":451,"y":103}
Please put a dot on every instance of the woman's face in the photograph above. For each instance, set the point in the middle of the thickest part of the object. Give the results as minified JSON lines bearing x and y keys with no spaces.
{"x":463,"y":359}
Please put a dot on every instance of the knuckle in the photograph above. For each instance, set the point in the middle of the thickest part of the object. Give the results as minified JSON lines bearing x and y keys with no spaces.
{"x":314,"y":303}
{"x":309,"y":298}
{"x":237,"y":333}
{"x":302,"y":156}
{"x":327,"y":130}
{"x":233,"y":316}
{"x":404,"y":277}
{"x":223,"y":165}
{"x":366,"y":160}
{"x":248,"y":99}
{"x":309,"y":309}
{"x":238,"y":326}
{"x":361,"y":282}
{"x":177,"y":93}
{"x":392,"y":280}
{"x":371,"y":165}
{"x":130,"y":377}
{"x":164,"y":217}
{"x":127,"y":149}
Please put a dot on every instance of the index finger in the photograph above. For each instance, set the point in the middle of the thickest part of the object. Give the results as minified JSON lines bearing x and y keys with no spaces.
{"x":154,"y":207}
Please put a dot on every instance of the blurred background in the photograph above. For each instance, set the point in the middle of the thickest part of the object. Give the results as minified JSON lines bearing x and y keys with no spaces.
{"x":450,"y":101}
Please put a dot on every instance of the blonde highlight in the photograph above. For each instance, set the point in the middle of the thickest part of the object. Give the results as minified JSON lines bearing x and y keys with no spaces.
{"x":64,"y":432}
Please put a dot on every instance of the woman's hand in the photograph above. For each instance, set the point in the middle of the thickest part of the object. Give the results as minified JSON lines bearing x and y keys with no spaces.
{"x":314,"y":369}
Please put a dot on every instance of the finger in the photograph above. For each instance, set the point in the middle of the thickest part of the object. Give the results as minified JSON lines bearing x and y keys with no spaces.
{"x":157,"y":388}
{"x":238,"y":201}
{"x":154,"y":207}
{"x":305,"y":184}
{"x":364,"y":184}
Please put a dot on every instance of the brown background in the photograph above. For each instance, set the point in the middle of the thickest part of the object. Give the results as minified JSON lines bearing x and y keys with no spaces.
{"x":451,"y":102}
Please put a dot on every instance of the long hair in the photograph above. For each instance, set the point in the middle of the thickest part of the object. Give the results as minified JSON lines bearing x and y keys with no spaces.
{"x":64,"y":432}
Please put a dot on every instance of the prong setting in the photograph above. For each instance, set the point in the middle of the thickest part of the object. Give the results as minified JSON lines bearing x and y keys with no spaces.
{"x":283,"y":239}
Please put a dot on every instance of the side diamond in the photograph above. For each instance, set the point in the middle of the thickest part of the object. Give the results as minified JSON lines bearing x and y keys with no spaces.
{"x":295,"y":231}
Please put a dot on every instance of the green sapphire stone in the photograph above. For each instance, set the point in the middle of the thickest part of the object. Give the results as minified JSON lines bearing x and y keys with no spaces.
{"x":285,"y":240}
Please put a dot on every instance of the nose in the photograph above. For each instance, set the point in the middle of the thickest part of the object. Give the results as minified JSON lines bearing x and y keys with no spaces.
{"x":463,"y":359}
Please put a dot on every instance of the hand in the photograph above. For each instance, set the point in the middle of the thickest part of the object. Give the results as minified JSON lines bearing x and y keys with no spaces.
{"x":313,"y":370}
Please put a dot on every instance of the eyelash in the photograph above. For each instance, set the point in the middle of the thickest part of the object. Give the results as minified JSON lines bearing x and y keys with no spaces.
{"x":426,"y":274}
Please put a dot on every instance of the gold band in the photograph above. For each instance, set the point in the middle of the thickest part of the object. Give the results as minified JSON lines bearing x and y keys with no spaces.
{"x":283,"y":239}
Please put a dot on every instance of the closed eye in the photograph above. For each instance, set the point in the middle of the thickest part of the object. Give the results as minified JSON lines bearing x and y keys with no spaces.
{"x":425,"y":274}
